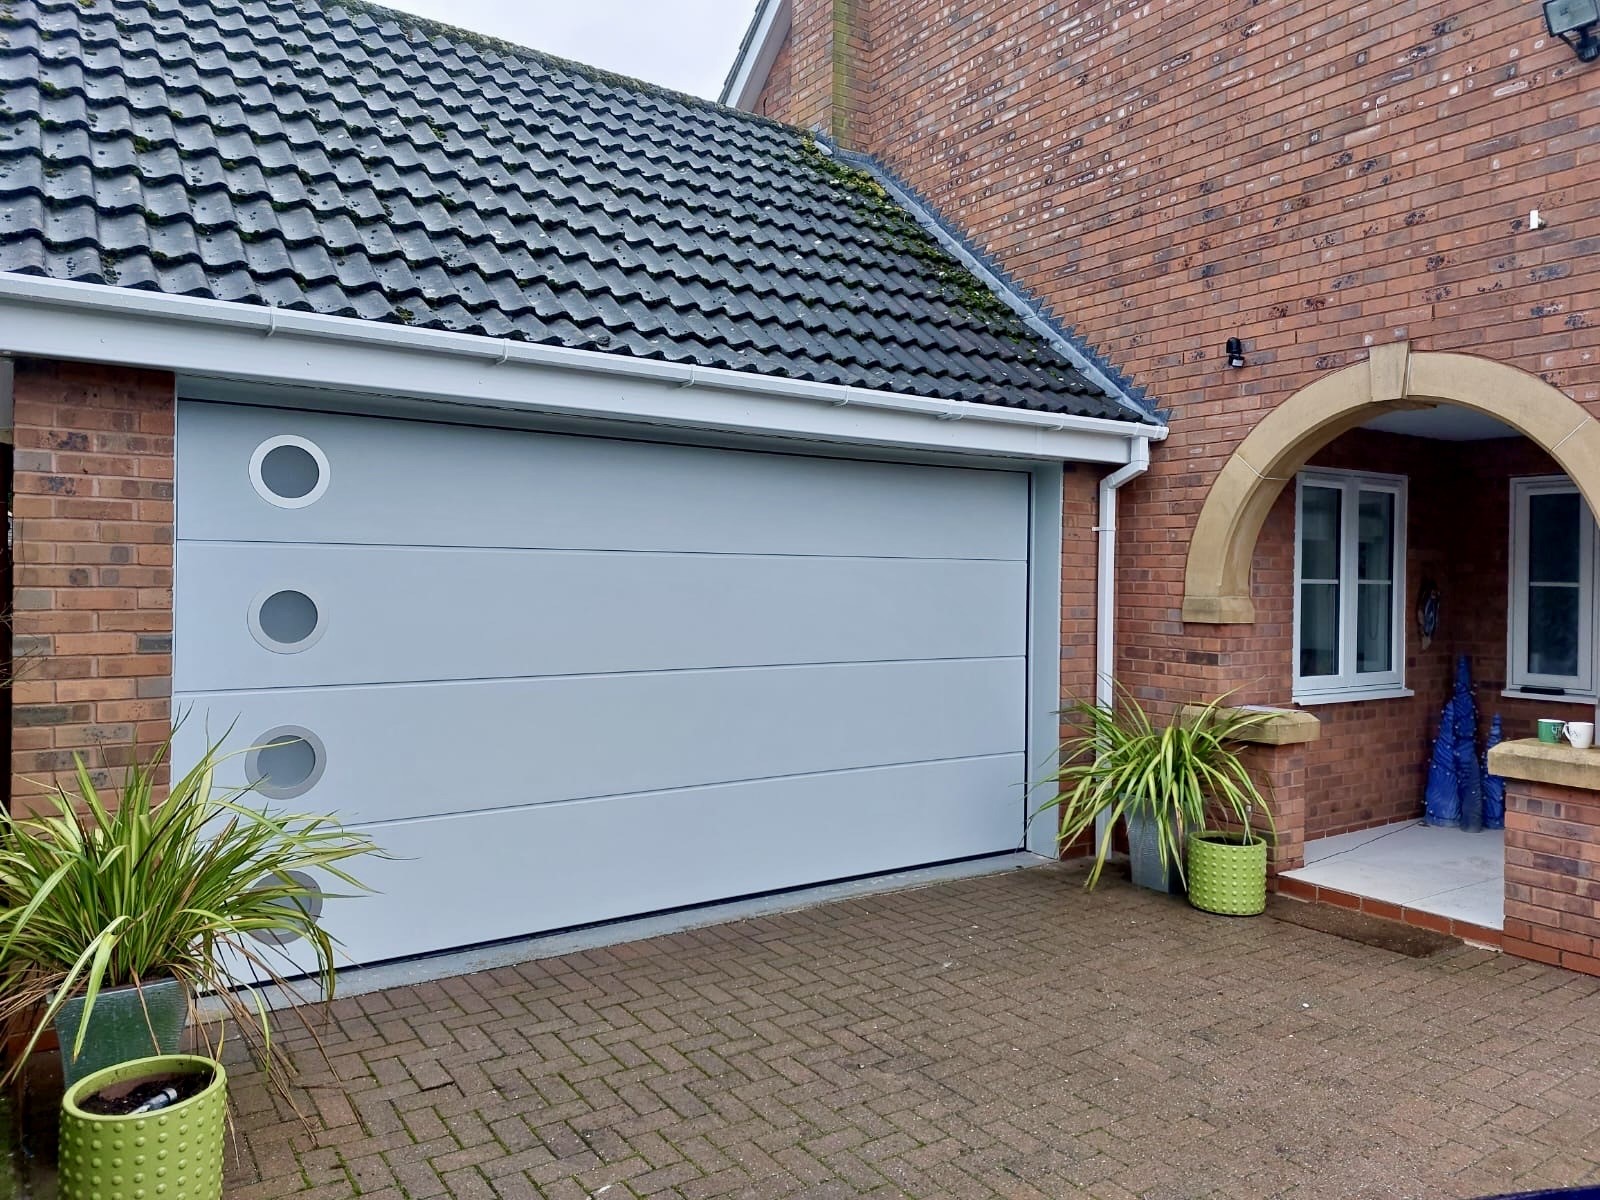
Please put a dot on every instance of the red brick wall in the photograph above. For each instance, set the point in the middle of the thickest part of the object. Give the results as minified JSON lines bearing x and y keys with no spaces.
{"x":1079,"y":553}
{"x":93,"y":552}
{"x":1312,"y":178}
{"x":775,"y":98}
{"x":1552,"y":856}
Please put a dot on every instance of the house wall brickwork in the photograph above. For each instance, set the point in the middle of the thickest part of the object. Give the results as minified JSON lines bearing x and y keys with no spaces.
{"x":1312,"y":178}
{"x":774,"y":100}
{"x":92,"y":618}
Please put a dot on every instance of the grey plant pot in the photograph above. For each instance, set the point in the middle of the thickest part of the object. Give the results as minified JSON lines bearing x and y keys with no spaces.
{"x":119,"y":1030}
{"x":1144,"y":857}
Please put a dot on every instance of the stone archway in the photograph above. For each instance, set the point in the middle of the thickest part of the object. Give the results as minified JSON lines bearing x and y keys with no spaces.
{"x":1217,"y":578}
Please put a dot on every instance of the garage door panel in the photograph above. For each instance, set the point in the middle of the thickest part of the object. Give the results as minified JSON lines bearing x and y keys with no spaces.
{"x":410,"y":750}
{"x":404,"y":483}
{"x":567,"y":679}
{"x":385,"y":614}
{"x":518,"y":872}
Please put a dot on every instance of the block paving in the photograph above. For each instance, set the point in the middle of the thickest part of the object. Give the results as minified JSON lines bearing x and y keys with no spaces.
{"x":1005,"y":1036}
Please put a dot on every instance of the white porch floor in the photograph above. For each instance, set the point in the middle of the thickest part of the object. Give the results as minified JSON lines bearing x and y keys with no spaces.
{"x":1443,"y":871}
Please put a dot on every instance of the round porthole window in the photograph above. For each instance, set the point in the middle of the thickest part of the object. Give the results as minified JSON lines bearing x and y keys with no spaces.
{"x":286,"y":621}
{"x":310,"y":903}
{"x":285,"y":762}
{"x":289,"y":471}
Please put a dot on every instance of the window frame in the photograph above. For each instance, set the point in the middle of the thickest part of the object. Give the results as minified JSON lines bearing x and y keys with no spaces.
{"x":1349,"y":684}
{"x":1519,"y":680}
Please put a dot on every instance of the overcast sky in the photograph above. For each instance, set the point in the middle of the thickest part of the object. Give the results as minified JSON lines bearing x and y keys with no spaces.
{"x":683,"y":44}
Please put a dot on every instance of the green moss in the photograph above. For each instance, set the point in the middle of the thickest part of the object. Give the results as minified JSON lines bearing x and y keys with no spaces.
{"x":405,"y":315}
{"x":901,"y":232}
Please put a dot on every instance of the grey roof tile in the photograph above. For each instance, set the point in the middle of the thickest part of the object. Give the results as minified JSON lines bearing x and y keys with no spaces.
{"x":364,"y":163}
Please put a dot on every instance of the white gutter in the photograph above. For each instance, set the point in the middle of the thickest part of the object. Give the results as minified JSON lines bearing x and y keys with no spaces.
{"x":1105,"y":642}
{"x":212,"y":339}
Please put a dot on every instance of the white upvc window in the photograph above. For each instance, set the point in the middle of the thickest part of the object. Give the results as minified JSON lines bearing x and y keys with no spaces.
{"x":1349,"y":584}
{"x":1551,"y":625}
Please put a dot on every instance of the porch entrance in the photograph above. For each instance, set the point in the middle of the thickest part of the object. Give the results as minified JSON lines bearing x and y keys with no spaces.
{"x":1376,"y":529}
{"x":1431,"y":871}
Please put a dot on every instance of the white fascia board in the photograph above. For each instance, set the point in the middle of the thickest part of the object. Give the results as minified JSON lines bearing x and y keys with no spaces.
{"x":756,"y":55}
{"x":215,"y":340}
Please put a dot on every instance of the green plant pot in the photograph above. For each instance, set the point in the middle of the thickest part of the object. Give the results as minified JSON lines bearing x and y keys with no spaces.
{"x":119,"y":1030}
{"x":173,"y":1154}
{"x":1227,"y":875}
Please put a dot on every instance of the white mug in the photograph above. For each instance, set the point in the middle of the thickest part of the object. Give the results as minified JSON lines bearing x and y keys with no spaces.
{"x":1579,"y":733}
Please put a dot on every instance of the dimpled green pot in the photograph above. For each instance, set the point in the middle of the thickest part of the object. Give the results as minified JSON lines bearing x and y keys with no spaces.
{"x":1227,"y":876}
{"x":172,"y":1154}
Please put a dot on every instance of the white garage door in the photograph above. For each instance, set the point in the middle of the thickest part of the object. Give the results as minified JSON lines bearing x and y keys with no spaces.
{"x":568,"y":679}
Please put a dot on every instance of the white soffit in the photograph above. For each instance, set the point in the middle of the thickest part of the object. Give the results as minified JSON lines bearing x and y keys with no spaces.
{"x":1445,"y":422}
{"x":757,"y":54}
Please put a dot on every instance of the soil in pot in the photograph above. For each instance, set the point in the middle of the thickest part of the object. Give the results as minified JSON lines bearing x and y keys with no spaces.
{"x":150,"y":1094}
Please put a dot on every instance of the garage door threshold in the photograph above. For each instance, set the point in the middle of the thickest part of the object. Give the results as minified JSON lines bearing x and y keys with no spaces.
{"x":358,"y":981}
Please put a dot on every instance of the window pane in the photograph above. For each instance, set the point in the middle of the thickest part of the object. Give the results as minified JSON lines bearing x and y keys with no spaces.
{"x":1319,"y":629}
{"x":1375,"y":533}
{"x":1319,"y":533}
{"x":1553,"y":630}
{"x":1375,"y":627}
{"x":1553,"y":522}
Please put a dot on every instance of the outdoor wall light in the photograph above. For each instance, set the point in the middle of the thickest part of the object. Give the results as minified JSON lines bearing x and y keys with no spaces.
{"x":1574,"y":22}
{"x":1235,"y":352}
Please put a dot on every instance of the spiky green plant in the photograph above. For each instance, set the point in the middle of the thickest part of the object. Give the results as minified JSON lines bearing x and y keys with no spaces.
{"x":107,"y":890}
{"x":1121,"y":763}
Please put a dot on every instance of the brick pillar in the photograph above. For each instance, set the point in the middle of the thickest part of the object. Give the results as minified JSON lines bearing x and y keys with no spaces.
{"x":1552,"y":864}
{"x":1280,"y":772}
{"x":1275,"y":754}
{"x":92,"y":623}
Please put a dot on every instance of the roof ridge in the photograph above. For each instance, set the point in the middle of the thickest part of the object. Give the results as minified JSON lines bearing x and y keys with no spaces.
{"x":509,"y":49}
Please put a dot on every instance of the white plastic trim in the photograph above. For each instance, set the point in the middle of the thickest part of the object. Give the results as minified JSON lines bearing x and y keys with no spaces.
{"x":1584,"y":698}
{"x":759,"y":52}
{"x":1105,"y":645}
{"x":259,"y":456}
{"x":265,"y":640}
{"x":272,"y":791}
{"x":1351,"y":695}
{"x":211,"y":339}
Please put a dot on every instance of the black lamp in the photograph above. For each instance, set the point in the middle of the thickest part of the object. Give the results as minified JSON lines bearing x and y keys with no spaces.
{"x":1574,"y":22}
{"x":1235,"y":352}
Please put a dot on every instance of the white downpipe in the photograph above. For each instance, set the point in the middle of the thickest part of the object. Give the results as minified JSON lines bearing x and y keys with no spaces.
{"x":1105,"y":580}
{"x":1105,"y":576}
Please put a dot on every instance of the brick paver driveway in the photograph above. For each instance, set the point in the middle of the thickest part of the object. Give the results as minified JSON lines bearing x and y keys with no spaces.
{"x":1002,"y":1036}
